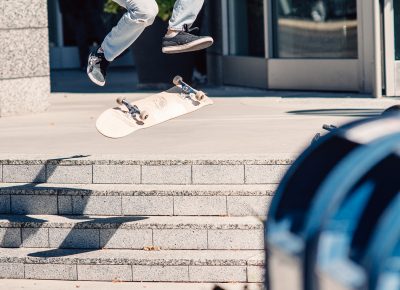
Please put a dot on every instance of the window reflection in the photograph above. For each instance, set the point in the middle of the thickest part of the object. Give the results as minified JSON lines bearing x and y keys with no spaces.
{"x":315,"y":28}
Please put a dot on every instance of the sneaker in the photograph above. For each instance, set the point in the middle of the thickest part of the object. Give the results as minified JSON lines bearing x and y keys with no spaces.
{"x":184,"y":41}
{"x":97,"y":68}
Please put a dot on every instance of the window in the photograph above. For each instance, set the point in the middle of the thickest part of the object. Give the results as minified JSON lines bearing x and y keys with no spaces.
{"x":246,"y":28}
{"x":315,"y":28}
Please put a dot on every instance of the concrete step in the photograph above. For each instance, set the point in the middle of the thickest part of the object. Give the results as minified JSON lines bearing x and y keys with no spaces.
{"x":132,"y":265}
{"x":15,"y":284}
{"x":125,"y":169}
{"x":148,"y":200}
{"x":167,"y":233}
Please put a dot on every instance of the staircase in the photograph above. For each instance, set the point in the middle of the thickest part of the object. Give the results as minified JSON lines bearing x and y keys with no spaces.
{"x":142,"y":220}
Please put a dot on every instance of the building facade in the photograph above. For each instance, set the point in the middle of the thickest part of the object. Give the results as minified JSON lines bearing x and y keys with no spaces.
{"x":334,"y":45}
{"x":323,"y":45}
{"x":24,"y":45}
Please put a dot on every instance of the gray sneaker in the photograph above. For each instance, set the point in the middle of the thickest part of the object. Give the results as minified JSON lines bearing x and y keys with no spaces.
{"x":184,"y":41}
{"x":97,"y":68}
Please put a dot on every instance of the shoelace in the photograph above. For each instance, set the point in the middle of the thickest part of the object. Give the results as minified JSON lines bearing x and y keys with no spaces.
{"x":187,"y":29}
{"x":94,"y":59}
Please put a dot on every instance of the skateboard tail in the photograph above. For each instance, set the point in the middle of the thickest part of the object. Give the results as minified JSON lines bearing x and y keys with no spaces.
{"x":112,"y":127}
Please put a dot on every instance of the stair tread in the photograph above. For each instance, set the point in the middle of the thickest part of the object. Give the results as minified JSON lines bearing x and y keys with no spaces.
{"x":137,"y":189}
{"x":152,"y":160}
{"x":90,"y":285}
{"x":131,"y":222}
{"x":136,"y":257}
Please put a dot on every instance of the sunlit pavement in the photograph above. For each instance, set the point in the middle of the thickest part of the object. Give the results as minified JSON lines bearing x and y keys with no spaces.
{"x":241,"y":121}
{"x":69,"y":285}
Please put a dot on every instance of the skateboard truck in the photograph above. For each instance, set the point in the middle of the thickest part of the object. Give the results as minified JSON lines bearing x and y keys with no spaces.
{"x":329,"y":128}
{"x":133,"y":110}
{"x":178,"y":81}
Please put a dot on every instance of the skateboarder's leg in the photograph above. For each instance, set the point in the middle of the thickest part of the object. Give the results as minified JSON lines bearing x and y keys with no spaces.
{"x":179,"y":39}
{"x":139,"y":15}
{"x":185,"y":12}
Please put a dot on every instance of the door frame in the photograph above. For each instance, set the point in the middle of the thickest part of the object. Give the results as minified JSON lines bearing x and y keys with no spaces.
{"x":391,"y":65}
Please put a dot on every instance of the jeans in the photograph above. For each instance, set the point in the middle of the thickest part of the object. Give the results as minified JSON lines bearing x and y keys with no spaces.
{"x":139,"y":15}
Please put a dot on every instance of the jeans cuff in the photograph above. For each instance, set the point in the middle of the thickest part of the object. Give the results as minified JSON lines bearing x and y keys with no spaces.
{"x":176,"y":28}
{"x":107,"y":55}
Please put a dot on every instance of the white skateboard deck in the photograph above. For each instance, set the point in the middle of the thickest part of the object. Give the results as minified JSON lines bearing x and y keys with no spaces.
{"x":118,"y":122}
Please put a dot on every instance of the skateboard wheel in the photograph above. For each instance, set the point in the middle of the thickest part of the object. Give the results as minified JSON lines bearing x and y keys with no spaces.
{"x":120,"y":100}
{"x":177,"y":80}
{"x":200,"y":95}
{"x":144,"y":115}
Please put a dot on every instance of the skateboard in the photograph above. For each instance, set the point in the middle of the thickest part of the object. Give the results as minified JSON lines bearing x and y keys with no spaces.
{"x":129,"y":117}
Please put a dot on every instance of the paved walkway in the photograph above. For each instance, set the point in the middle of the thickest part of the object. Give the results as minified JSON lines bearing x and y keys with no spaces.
{"x":276,"y":123}
{"x":74,"y":285}
{"x":242,"y":121}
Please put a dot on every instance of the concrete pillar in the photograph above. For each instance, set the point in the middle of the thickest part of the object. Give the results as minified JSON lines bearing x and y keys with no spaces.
{"x":24,"y":57}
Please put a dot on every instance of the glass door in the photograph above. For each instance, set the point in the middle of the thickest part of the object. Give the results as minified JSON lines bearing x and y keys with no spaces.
{"x":246,"y":28}
{"x":319,"y":45}
{"x":244,"y":59}
{"x":315,"y":45}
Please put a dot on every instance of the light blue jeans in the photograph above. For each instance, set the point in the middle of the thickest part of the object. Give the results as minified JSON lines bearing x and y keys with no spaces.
{"x":139,"y":15}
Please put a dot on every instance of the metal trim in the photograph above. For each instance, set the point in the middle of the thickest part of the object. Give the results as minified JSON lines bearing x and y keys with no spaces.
{"x":389,"y":48}
{"x":313,"y":74}
{"x":245,"y":71}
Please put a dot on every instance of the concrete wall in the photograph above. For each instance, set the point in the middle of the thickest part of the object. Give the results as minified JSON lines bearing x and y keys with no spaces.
{"x":24,"y":57}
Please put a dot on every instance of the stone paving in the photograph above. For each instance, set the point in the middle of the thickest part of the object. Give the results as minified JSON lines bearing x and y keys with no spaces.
{"x":250,"y":122}
{"x":65,"y":285}
{"x":193,"y":190}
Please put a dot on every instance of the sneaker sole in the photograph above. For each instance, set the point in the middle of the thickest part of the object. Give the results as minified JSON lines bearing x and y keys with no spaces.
{"x":101,"y":84}
{"x":192,"y":46}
